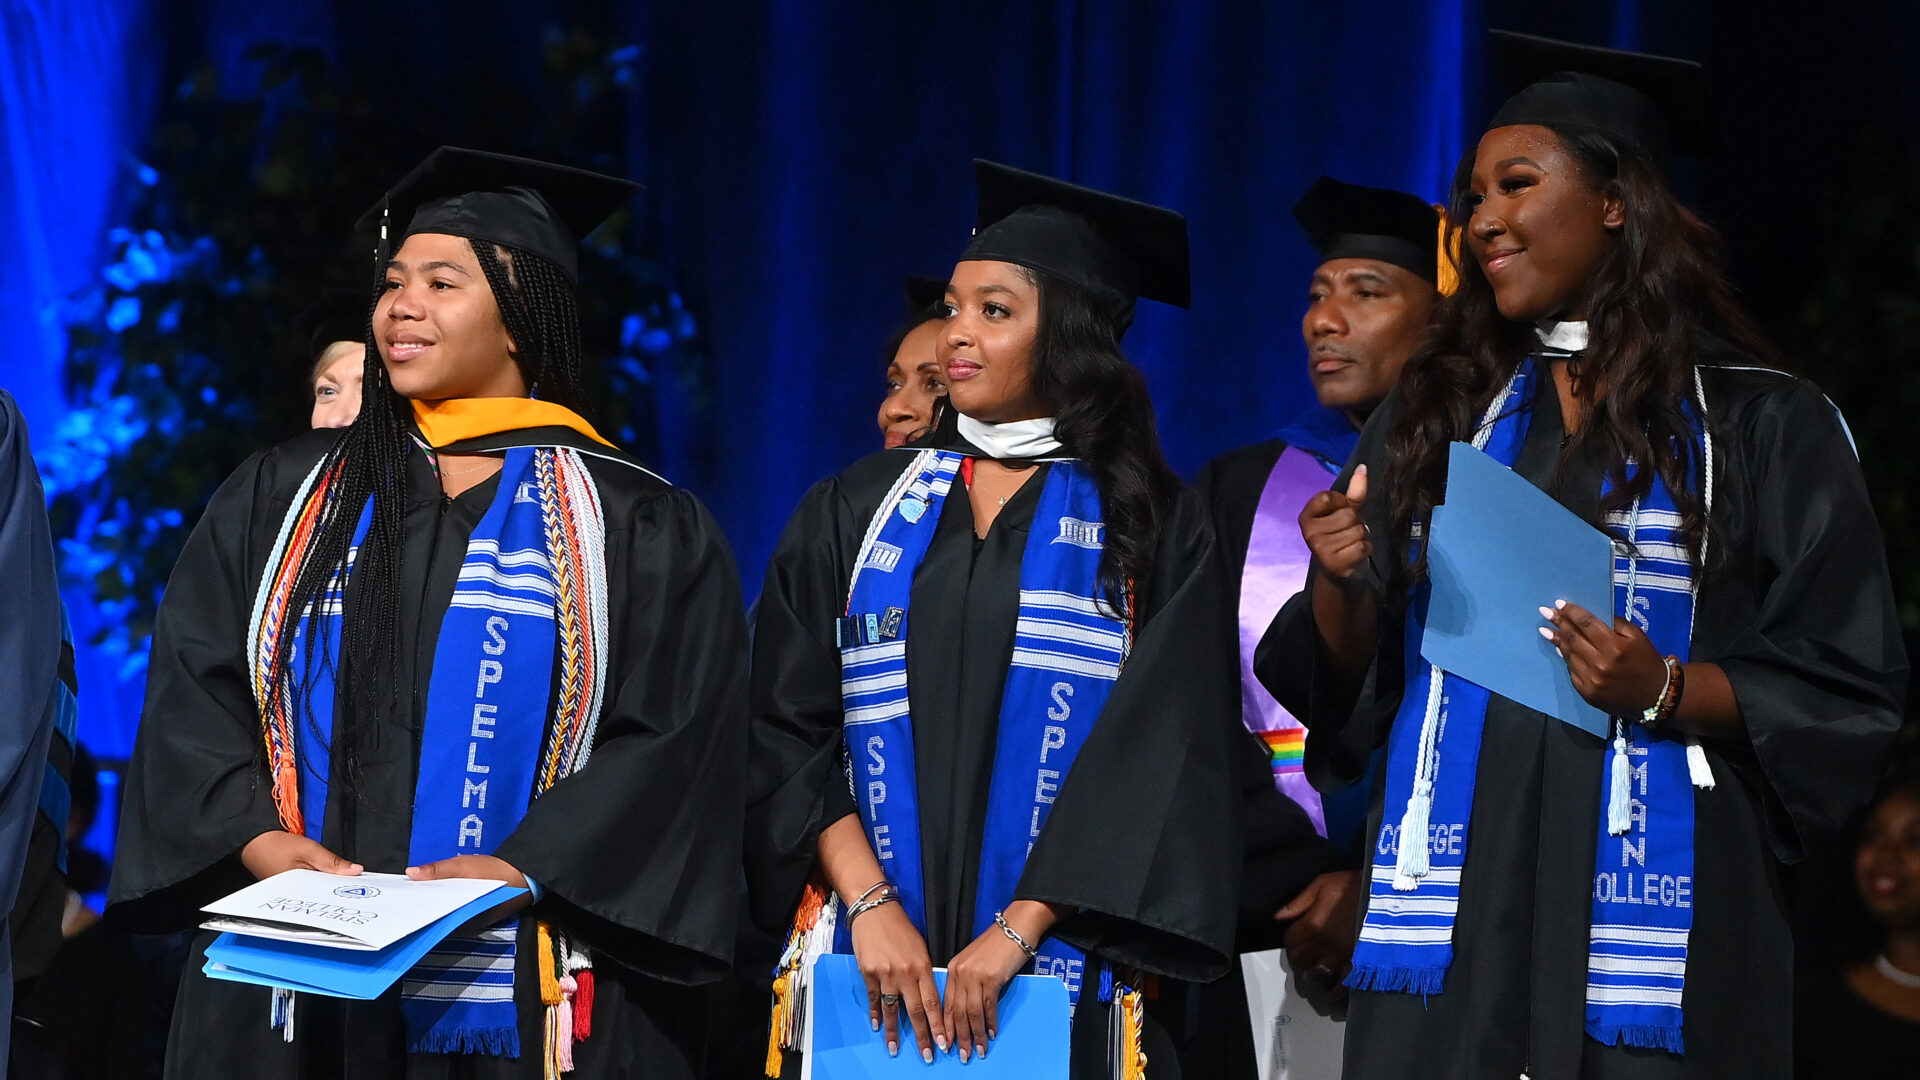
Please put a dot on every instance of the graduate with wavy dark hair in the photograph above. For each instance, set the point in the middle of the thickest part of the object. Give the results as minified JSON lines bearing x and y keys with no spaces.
{"x":1542,"y":901}
{"x":532,"y":674}
{"x":1009,"y":633}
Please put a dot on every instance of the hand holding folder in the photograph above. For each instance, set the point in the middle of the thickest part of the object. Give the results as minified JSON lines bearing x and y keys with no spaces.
{"x":338,"y":935}
{"x":842,"y":1045}
{"x":1498,"y":551}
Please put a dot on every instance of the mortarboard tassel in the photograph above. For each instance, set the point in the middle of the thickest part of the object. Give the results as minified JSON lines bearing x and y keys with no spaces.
{"x":1447,"y":255}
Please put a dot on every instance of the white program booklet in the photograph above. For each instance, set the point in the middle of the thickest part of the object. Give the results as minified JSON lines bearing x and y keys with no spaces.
{"x":363,"y":911}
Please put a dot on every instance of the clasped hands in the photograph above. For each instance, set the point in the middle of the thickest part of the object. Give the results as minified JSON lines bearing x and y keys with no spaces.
{"x":899,"y":975}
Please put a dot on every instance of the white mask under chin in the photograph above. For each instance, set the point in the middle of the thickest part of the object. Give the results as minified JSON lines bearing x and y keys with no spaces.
{"x":1016,"y":439}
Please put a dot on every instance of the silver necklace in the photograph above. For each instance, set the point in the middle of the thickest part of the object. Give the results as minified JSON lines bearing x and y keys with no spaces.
{"x":1894,"y":974}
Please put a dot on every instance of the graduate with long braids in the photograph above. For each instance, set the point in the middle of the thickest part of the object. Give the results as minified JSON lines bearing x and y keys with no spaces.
{"x":1543,"y":902}
{"x":992,"y":689}
{"x":533,"y":674}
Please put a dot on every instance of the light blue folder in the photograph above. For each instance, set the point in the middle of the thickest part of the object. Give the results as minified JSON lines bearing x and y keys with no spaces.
{"x":335,"y":972}
{"x":1033,"y":1018}
{"x":1499,"y":550}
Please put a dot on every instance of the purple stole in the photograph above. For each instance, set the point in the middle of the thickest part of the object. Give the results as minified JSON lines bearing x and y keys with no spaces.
{"x":1276,"y":569}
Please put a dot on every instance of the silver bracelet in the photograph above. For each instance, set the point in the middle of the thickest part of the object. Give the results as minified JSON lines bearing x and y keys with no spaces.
{"x":888,"y":895}
{"x":1000,"y":919}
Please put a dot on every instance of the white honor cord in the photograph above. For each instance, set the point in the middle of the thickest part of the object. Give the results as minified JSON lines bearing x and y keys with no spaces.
{"x":1411,"y":860}
{"x":1699,"y":770}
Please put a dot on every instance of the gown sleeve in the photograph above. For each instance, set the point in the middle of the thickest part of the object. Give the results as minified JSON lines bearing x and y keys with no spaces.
{"x":1804,"y":617}
{"x":1283,"y":850}
{"x":196,"y":789}
{"x":638,"y":852}
{"x":30,"y":654}
{"x":1145,"y":840}
{"x":1345,"y":722}
{"x":797,"y":786}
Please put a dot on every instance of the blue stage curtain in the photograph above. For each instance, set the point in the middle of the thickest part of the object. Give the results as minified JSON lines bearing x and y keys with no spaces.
{"x":804,"y":157}
{"x":77,"y":82}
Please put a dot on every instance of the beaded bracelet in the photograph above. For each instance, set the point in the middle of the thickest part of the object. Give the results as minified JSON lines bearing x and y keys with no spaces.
{"x":1000,"y":918}
{"x":1663,"y":707}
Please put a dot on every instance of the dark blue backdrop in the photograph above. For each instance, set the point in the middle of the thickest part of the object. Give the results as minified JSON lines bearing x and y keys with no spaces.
{"x":801,"y":157}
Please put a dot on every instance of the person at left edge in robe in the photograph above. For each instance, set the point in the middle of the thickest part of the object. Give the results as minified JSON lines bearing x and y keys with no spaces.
{"x":916,"y":388}
{"x":533,"y":674}
{"x":1383,"y":264}
{"x":1013,"y":632}
{"x":35,"y":701}
{"x":336,"y":355}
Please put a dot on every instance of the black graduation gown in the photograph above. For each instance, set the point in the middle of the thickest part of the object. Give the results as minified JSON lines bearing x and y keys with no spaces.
{"x":1283,"y":852}
{"x":1797,"y":610}
{"x":637,"y":852}
{"x":30,"y":669}
{"x":1144,"y":838}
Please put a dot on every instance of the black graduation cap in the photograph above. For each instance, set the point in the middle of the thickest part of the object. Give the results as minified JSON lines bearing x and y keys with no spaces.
{"x":1657,"y":103}
{"x":535,"y":206}
{"x":1117,"y":248}
{"x":338,"y":315}
{"x":924,"y":294}
{"x":1348,"y":221}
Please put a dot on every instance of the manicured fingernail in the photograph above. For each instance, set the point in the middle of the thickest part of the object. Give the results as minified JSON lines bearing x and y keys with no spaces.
{"x":1546,"y":632}
{"x":1558,"y":604}
{"x":876,"y":1022}
{"x":926,"y":1055}
{"x":963,"y":1055}
{"x":893,"y":1048}
{"x":1546,"y":613}
{"x":941,"y":1041}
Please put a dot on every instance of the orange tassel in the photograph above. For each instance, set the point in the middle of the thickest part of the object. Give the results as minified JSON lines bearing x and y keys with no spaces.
{"x":1447,"y":256}
{"x":1134,"y":1067}
{"x":549,"y":978}
{"x":775,"y":1059}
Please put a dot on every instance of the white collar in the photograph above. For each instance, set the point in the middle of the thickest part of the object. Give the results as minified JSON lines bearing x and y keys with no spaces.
{"x":1564,"y":336}
{"x":1017,"y":439}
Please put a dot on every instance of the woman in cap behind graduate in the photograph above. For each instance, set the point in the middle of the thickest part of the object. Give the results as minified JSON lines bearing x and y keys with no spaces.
{"x":1545,"y":902}
{"x":532,"y":676}
{"x":983,"y":702}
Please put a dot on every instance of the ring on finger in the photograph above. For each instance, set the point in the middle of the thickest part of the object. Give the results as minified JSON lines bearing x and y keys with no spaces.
{"x":891,"y":1001}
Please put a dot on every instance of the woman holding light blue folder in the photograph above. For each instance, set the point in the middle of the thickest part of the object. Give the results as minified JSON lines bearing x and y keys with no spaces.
{"x":990,"y":707}
{"x":1545,"y":903}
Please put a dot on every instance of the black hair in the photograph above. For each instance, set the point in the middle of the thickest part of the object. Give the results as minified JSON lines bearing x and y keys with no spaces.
{"x":1658,"y":305}
{"x":1103,"y":415}
{"x":368,"y":461}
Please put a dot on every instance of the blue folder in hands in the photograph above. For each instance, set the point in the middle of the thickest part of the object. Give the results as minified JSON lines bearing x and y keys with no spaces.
{"x":842,"y":1045}
{"x":332,"y":971}
{"x":1499,"y":550}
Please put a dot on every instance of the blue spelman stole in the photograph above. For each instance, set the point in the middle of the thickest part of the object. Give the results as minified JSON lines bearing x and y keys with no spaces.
{"x":487,"y":710}
{"x":1068,"y":650}
{"x":1643,"y":880}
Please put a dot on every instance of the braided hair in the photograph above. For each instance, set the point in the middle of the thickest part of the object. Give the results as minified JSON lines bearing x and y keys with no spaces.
{"x":368,"y":461}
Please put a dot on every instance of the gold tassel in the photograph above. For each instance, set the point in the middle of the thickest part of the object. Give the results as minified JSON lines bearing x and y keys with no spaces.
{"x":549,"y":978}
{"x":775,"y":1059}
{"x":1446,"y":255}
{"x":1134,"y":1064}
